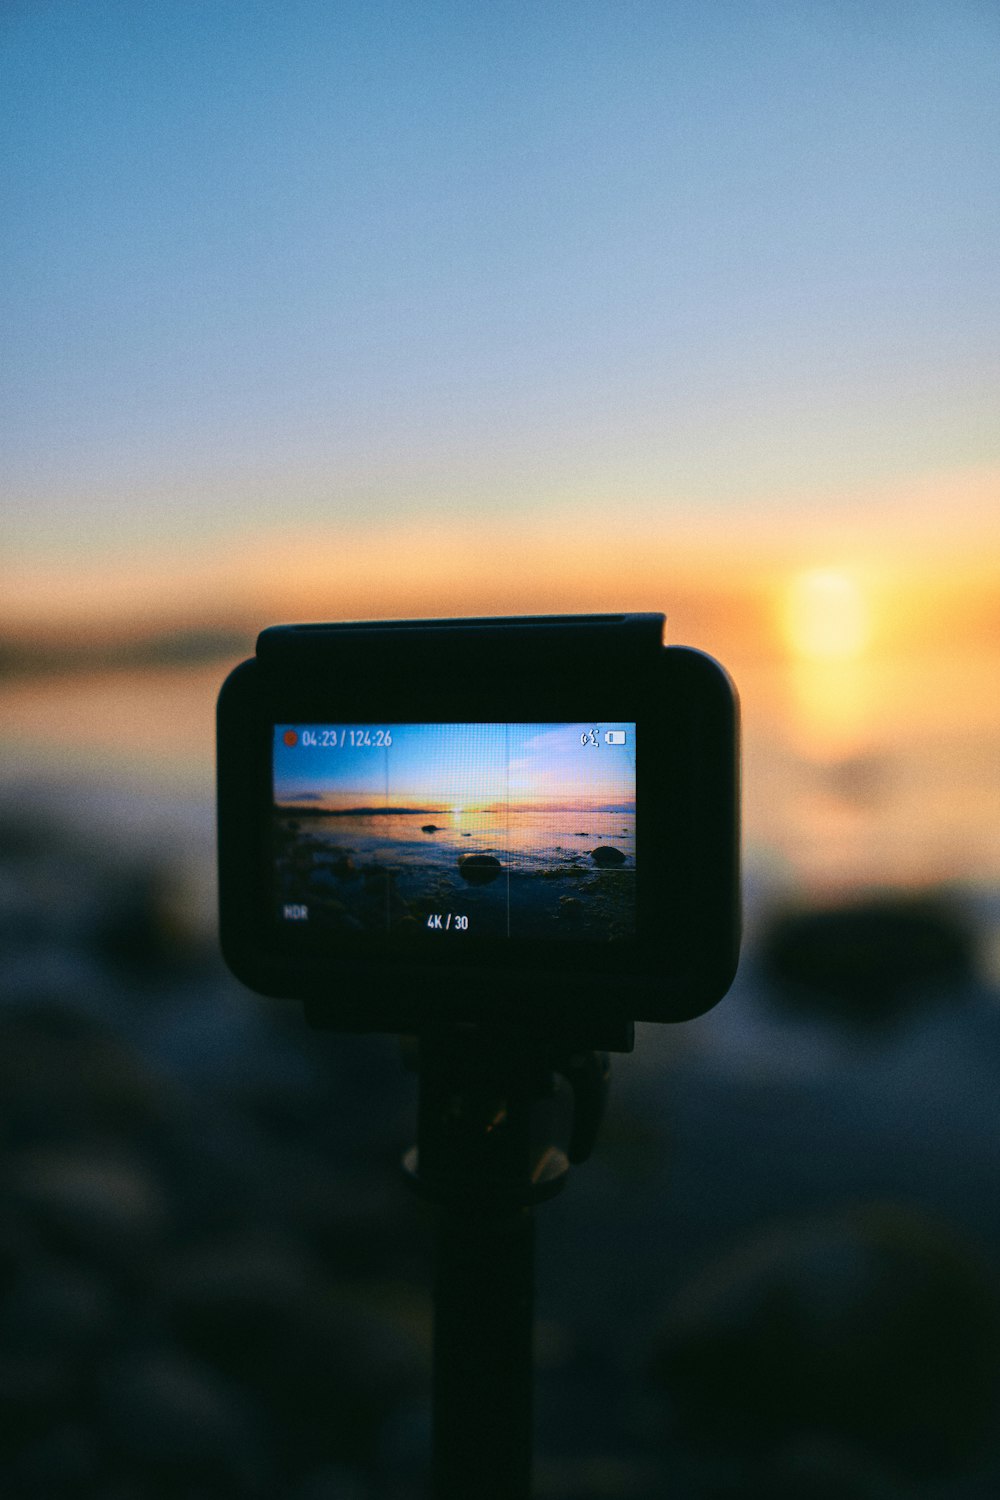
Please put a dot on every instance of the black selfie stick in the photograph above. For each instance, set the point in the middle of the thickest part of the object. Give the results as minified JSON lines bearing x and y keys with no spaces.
{"x":486,"y":1154}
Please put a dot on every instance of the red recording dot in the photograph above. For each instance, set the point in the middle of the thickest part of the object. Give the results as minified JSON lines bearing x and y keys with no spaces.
{"x":290,"y":737}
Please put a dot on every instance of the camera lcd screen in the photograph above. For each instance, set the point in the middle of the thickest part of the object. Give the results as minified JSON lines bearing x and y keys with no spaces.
{"x":447,"y":833}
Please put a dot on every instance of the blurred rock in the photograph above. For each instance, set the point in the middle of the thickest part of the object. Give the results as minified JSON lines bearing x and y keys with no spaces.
{"x":56,"y":1305}
{"x":877,"y":1329}
{"x":65,"y":1461}
{"x":332,"y":1482}
{"x":36,"y":1385}
{"x":360,"y":1223}
{"x":104,"y":1205}
{"x":328,"y":1372}
{"x":27,"y":835}
{"x":819,"y":1468}
{"x":62,"y":1073}
{"x":337,"y":1372}
{"x":229,"y":1302}
{"x":600,"y":1476}
{"x":19,"y":1242}
{"x":142,"y":928}
{"x":866,"y":963}
{"x":862,"y":779}
{"x":56,"y":1320}
{"x":169,"y":1416}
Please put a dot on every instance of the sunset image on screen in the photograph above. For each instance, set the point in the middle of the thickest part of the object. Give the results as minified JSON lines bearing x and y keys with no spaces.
{"x":495,"y":830}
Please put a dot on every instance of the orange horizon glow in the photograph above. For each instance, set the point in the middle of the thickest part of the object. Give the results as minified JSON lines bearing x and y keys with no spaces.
{"x":344,"y":802}
{"x":722,"y":572}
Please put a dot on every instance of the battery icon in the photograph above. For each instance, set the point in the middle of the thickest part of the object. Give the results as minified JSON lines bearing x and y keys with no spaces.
{"x":614,"y":736}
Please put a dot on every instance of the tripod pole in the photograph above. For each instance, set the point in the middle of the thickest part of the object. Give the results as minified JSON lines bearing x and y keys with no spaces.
{"x":485,"y":1156}
{"x":480,"y":1118}
{"x":483,"y":1387}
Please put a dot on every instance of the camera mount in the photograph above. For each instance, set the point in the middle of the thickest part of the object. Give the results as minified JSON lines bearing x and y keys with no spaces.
{"x":489,"y":1150}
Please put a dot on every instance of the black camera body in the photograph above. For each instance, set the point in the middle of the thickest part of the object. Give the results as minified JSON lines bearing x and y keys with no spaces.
{"x":423,"y":823}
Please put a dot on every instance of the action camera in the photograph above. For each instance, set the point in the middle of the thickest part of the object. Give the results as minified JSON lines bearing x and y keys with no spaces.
{"x":518,"y":823}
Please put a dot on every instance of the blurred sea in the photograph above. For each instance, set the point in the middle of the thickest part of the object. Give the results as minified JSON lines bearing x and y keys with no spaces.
{"x":855,"y":775}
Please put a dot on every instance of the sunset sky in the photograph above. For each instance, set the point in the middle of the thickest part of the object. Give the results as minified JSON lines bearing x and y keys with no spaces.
{"x":354,"y":309}
{"x":459,"y":768}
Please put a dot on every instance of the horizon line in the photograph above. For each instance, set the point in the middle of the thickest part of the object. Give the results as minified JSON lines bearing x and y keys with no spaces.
{"x":308,"y":805}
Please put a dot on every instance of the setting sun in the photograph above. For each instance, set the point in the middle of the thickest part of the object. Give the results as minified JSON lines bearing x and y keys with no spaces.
{"x":827,"y":615}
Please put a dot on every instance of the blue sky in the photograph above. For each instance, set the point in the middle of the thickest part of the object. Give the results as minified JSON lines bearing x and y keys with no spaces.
{"x":302,"y":265}
{"x":441,"y":766}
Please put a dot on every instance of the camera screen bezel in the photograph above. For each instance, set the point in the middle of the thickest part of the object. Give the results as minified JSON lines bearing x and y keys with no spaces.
{"x":687,"y":847}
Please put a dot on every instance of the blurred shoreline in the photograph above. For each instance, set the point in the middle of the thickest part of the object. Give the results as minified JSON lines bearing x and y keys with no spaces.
{"x":867,"y":774}
{"x":59,"y":654}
